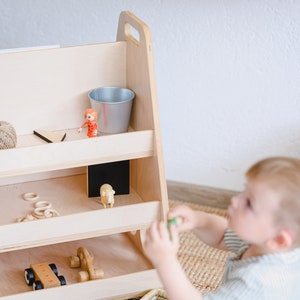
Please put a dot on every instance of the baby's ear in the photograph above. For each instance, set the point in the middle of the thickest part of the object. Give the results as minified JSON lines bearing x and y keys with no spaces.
{"x":283,"y":241}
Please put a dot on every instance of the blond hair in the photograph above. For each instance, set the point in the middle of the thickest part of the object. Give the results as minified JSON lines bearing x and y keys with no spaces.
{"x":282,"y":174}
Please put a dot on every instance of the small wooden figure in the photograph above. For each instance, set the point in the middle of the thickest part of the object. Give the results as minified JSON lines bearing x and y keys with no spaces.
{"x":171,"y":222}
{"x":107,"y":195}
{"x":42,"y":276}
{"x":91,"y":115}
{"x":85,"y":260}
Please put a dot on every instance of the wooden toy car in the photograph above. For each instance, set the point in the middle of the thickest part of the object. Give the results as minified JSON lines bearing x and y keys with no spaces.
{"x":85,"y":260}
{"x":43,"y":275}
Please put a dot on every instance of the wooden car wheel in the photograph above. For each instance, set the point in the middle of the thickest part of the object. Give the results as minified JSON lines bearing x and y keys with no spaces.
{"x":29,"y":276}
{"x":74,"y":261}
{"x":53,"y":268}
{"x":62,"y":280}
{"x":99,"y":274}
{"x":83,"y":276}
{"x":37,"y":285}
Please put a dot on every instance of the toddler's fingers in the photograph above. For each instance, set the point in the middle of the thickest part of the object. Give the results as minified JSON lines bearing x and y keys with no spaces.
{"x":179,"y":211}
{"x":174,"y":234}
{"x":163,"y":230}
{"x":152,"y":232}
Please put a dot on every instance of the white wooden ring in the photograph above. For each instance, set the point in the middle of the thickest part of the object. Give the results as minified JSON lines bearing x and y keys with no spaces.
{"x":27,"y":218}
{"x":30,"y":196}
{"x":48,"y":213}
{"x":43,"y":204}
{"x":39,"y":212}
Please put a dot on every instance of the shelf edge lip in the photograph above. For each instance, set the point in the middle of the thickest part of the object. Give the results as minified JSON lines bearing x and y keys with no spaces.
{"x":46,"y":157}
{"x":136,"y":222}
{"x":98,"y":289}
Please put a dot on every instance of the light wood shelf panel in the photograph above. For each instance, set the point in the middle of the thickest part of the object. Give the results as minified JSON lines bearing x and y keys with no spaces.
{"x":47,"y":89}
{"x":35,"y":156}
{"x":126,"y":272}
{"x":80,"y":216}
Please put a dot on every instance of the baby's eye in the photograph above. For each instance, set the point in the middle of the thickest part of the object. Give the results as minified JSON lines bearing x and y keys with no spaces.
{"x":248,"y":203}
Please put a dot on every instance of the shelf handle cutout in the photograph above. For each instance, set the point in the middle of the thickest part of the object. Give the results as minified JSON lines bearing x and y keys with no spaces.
{"x":133,"y":29}
{"x":132,"y":34}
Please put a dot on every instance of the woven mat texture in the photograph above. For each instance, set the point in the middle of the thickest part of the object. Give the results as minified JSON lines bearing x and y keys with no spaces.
{"x":203,"y":264}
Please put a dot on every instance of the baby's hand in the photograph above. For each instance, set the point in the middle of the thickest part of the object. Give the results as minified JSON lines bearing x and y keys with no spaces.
{"x":173,"y":222}
{"x":185,"y":218}
{"x":158,"y":245}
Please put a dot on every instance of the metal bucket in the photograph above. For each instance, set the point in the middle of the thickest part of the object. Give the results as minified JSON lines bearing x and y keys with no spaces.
{"x":113,"y":105}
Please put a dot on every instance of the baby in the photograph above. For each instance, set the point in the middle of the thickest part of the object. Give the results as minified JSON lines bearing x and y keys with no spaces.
{"x":263,"y":232}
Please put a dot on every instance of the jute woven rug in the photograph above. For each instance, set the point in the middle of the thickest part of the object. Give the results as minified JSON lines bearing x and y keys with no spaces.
{"x":203,"y":264}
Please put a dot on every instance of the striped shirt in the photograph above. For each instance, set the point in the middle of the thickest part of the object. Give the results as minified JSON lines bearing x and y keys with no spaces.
{"x":268,"y":277}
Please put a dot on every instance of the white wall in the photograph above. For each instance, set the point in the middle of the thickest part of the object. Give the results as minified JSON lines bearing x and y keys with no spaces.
{"x":228,"y":73}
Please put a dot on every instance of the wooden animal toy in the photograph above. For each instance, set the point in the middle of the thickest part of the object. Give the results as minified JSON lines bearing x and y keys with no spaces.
{"x":85,"y":260}
{"x":107,"y":195}
{"x":43,"y":276}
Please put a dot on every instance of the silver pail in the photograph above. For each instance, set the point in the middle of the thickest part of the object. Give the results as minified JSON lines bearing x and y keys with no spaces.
{"x":113,"y":105}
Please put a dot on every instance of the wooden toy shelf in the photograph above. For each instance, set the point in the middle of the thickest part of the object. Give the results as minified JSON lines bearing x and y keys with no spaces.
{"x":47,"y":89}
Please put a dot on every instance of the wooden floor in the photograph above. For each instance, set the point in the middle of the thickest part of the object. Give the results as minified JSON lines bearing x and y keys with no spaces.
{"x":202,"y":195}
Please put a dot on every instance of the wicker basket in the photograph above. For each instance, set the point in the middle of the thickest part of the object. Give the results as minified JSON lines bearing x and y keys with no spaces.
{"x":156,"y":294}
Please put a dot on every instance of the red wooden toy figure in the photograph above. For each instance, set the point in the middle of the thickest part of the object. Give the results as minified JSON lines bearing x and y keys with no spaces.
{"x":91,"y":115}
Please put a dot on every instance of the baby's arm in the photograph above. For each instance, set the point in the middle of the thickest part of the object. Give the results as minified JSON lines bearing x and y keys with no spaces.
{"x":162,"y":252}
{"x":209,"y":228}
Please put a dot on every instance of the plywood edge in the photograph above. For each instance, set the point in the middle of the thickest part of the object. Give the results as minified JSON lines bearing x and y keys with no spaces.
{"x":145,"y":114}
{"x":78,"y":226}
{"x":119,"y":287}
{"x":71,"y":154}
